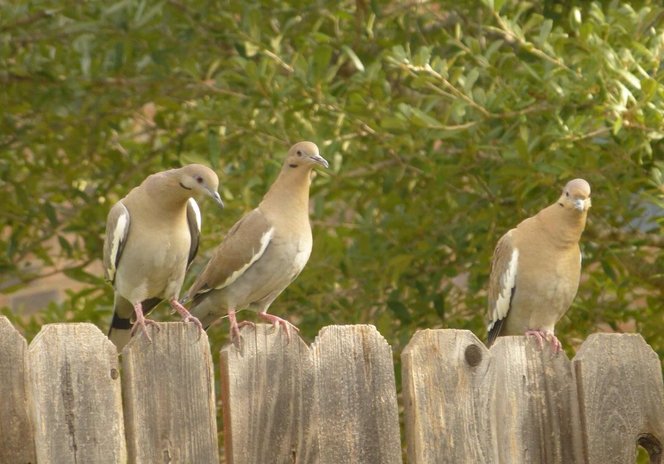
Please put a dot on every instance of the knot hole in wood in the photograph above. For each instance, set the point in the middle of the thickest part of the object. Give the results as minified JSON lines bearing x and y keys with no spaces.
{"x":652,"y":445}
{"x":473,"y":355}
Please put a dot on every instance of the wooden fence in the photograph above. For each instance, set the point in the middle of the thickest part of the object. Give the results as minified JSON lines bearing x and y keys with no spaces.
{"x":66,"y":398}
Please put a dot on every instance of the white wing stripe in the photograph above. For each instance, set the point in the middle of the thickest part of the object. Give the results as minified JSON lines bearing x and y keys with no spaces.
{"x":197,"y":212}
{"x":118,"y":233}
{"x":507,"y":281}
{"x":264,"y":242}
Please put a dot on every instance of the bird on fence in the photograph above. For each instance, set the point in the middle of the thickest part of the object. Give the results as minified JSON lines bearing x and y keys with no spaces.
{"x":263,"y":252}
{"x":536,"y":269}
{"x":152,"y":236}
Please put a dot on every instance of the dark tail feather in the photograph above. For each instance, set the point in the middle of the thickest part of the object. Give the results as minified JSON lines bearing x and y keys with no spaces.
{"x":120,"y":331}
{"x":494,"y":332}
{"x":122,"y":322}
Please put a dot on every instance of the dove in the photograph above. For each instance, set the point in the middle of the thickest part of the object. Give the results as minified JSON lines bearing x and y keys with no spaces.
{"x":536,"y":268}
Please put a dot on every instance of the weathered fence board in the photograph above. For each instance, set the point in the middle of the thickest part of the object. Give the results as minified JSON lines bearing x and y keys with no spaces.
{"x":169,"y":400}
{"x":267,"y":391}
{"x":74,"y":388}
{"x":620,"y":383}
{"x":336,"y":401}
{"x":443,"y":375}
{"x":357,"y":405}
{"x":534,"y":406}
{"x":16,"y":436}
{"x":516,"y":403}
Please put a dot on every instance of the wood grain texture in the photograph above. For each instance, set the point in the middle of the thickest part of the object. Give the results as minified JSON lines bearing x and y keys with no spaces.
{"x":16,"y":436}
{"x":446,"y":410}
{"x":534,"y":409}
{"x":169,"y":400}
{"x":268,"y":396}
{"x":357,"y":405}
{"x":464,"y":403}
{"x":74,"y":388}
{"x":332,"y":403}
{"x":620,"y":384}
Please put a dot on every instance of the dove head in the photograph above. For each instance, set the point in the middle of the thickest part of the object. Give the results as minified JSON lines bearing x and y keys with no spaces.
{"x":199,"y":179}
{"x":304,"y":154}
{"x":576,"y":195}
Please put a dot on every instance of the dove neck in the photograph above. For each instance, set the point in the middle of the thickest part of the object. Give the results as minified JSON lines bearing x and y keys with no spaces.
{"x":563,"y":225}
{"x":290,"y":190}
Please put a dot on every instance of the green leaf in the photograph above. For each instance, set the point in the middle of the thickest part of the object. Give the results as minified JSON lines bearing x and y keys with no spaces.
{"x":353,"y":58}
{"x":321,"y":61}
{"x":400,"y":310}
{"x":545,"y":30}
{"x":49,"y":211}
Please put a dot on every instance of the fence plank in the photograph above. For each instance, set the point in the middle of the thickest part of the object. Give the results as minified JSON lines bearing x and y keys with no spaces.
{"x":267,"y":394}
{"x":446,"y":410}
{"x":463,"y":403}
{"x":16,"y":435}
{"x":358,"y":417}
{"x":620,"y":383}
{"x":535,"y":408}
{"x":73,"y":372}
{"x":332,"y":403}
{"x":169,"y":400}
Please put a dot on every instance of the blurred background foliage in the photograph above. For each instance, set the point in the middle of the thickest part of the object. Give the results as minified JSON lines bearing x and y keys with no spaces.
{"x":445,"y":124}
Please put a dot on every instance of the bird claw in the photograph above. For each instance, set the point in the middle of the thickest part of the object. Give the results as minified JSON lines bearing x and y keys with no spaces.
{"x":556,"y":346}
{"x":196,"y":322}
{"x":236,"y":338}
{"x":187,"y":316}
{"x":276,"y":321}
{"x":143,"y":323}
{"x":541,"y":336}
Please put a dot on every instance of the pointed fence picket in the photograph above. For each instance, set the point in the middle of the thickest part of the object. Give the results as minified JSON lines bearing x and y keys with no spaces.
{"x":66,"y":397}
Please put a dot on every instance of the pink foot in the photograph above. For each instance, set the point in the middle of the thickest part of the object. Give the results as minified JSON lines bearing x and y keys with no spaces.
{"x":542,"y":335}
{"x":142,"y":322}
{"x":277,"y":321}
{"x":556,"y":346}
{"x":235,"y":327}
{"x":186,"y":315}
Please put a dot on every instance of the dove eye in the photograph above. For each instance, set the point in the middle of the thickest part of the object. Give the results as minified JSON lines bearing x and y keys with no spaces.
{"x":199,"y":179}
{"x":567,"y":194}
{"x":299,"y":153}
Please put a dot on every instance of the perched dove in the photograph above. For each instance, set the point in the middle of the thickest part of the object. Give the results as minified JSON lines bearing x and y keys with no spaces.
{"x":536,"y":268}
{"x":152,"y":236}
{"x":264,"y":251}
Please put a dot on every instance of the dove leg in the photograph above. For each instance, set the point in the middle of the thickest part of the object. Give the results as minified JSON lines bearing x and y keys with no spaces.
{"x":186,"y":315}
{"x":141,"y":321}
{"x":235,"y":326}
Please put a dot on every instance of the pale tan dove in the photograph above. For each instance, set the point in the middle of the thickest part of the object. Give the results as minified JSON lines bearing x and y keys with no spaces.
{"x":152,"y":236}
{"x":264,"y":251}
{"x":536,"y":269}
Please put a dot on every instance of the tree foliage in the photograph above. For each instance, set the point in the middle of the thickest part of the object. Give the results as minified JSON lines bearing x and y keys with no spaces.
{"x":444,"y":124}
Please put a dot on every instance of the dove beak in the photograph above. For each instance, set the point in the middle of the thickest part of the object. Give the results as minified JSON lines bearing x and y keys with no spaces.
{"x":216,"y":197}
{"x":580,"y":204}
{"x":320,"y":160}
